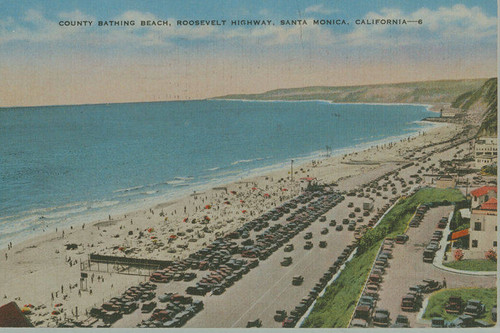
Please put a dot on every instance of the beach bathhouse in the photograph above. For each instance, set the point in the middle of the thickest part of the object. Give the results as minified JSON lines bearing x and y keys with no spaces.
{"x":485,"y":151}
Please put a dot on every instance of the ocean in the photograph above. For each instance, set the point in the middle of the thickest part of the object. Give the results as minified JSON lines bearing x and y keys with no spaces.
{"x":64,"y":165}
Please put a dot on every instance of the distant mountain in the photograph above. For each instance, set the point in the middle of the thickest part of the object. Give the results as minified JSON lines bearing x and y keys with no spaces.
{"x":482,"y":103}
{"x":444,"y":91}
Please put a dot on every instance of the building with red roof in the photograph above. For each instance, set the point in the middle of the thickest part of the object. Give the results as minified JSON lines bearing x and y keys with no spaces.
{"x":483,"y":222}
{"x":483,"y":194}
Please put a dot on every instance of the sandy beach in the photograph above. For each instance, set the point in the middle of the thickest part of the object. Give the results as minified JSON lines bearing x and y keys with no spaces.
{"x":45,"y":271}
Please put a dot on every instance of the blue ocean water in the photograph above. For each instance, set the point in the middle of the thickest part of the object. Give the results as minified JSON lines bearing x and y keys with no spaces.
{"x":67,"y":164}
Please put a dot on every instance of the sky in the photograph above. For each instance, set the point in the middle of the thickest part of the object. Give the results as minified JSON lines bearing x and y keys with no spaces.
{"x":44,"y":63}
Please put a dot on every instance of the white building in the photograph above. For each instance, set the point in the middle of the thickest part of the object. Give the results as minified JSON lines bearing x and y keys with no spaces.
{"x":485,"y":151}
{"x":483,"y":222}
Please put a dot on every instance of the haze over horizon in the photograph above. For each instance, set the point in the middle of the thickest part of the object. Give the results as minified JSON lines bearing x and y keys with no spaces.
{"x":48,"y":64}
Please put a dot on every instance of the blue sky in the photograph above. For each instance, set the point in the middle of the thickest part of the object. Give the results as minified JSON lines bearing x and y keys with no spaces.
{"x":44,"y":63}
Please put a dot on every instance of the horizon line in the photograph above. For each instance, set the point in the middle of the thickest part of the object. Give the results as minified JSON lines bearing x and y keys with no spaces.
{"x":232,"y":94}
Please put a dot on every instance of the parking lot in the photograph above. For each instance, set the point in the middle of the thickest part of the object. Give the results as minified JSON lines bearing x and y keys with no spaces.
{"x":408,"y":269}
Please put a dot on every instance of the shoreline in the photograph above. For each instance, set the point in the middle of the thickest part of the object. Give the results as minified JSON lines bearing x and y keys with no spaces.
{"x":169,"y":197}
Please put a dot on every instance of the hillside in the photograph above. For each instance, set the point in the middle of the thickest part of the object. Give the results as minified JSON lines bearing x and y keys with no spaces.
{"x":444,"y":91}
{"x":481,"y":104}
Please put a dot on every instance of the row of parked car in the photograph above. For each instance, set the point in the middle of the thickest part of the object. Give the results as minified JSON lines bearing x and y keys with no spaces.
{"x":419,"y":215}
{"x":226,"y":269}
{"x":178,"y":309}
{"x":433,"y":246}
{"x":365,"y":313}
{"x":290,"y":320}
{"x":128,"y":302}
{"x":469,"y":314}
{"x":221,"y":250}
{"x":226,"y":275}
{"x":381,"y":212}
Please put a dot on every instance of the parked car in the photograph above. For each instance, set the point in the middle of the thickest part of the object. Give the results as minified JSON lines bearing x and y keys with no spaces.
{"x":289,"y":322}
{"x":358,"y":322}
{"x":462,"y":321}
{"x":439,"y":322}
{"x":308,"y":245}
{"x":332,"y":223}
{"x":455,"y":305}
{"x":324,"y":231}
{"x":428,"y":255}
{"x":280,"y":315}
{"x":411,"y":302}
{"x":474,"y":308}
{"x":148,"y":306}
{"x":322,"y":244}
{"x":401,"y":239}
{"x":381,"y":318}
{"x":401,"y":322}
{"x":339,"y":227}
{"x":288,"y":248}
{"x":308,"y":235}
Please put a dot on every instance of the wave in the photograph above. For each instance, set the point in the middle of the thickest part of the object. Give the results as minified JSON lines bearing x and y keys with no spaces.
{"x":180,"y":184}
{"x":134,"y":188}
{"x":102,"y":204}
{"x":213,"y":169}
{"x":184,"y":178}
{"x":150,"y":192}
{"x":248,"y":161}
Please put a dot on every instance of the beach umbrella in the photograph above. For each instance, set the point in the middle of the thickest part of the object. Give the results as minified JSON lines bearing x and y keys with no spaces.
{"x":267,"y":195}
{"x":207,"y":218}
{"x":173,"y":236}
{"x":244,"y":211}
{"x":185,"y":219}
{"x":284,"y":189}
{"x":151,"y":230}
{"x":26,"y":310}
{"x":254,"y":188}
{"x":208,"y":206}
{"x":55,"y":312}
